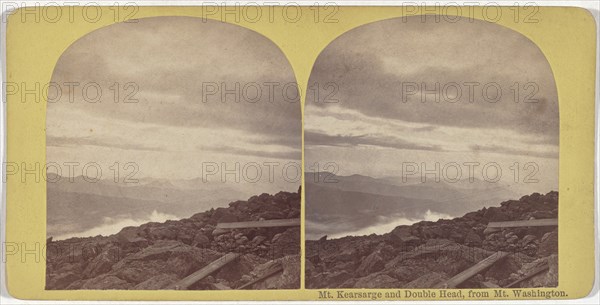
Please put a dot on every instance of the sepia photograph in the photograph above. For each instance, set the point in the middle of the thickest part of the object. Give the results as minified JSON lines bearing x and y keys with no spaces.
{"x":433,"y":162}
{"x":299,"y":152}
{"x":174,"y":160}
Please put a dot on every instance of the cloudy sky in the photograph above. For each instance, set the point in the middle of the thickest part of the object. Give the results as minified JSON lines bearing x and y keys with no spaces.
{"x":384,"y":115}
{"x":178,"y":119}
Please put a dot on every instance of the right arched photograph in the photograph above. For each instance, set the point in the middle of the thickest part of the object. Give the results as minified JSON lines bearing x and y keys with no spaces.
{"x":431,"y":158}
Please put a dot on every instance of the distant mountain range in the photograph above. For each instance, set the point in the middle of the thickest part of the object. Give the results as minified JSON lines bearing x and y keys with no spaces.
{"x":76,"y":205}
{"x":336,"y":205}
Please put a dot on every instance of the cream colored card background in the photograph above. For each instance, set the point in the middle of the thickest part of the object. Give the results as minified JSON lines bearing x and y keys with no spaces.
{"x":565,"y":35}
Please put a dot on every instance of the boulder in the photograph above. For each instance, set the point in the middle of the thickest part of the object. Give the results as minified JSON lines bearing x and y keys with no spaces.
{"x":164,"y":257}
{"x":407,"y":273}
{"x":371,"y":264}
{"x":61,"y":281}
{"x":496,"y":214}
{"x":128,"y":235}
{"x":289,"y":278}
{"x":404,"y":235}
{"x":428,"y":280}
{"x":163,"y":232}
{"x":331,"y":279}
{"x":106,"y":281}
{"x":222,"y":215}
{"x":472,"y":239}
{"x":503,"y":269}
{"x":548,"y":244}
{"x":287,"y":243}
{"x":234,"y":271}
{"x":186,"y":236}
{"x":160,"y":281}
{"x":527,"y":239}
{"x":201,"y":240}
{"x":377,"y":280}
{"x":103,"y":262}
{"x":547,"y":278}
{"x":259,"y":239}
{"x":294,"y":213}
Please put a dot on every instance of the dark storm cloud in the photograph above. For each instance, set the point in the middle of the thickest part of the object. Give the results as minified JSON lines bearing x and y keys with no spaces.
{"x":78,"y":141}
{"x":180,"y":68}
{"x":372,"y":65}
{"x":371,"y":140}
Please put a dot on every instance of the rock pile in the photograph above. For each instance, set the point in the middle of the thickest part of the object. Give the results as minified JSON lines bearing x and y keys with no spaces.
{"x":157,"y":255}
{"x":426,"y":253}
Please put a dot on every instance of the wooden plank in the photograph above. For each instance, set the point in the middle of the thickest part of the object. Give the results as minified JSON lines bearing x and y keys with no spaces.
{"x":219,"y":286}
{"x":533,"y":273}
{"x":489,"y":285}
{"x":263,"y":277}
{"x":524,"y":223}
{"x":295,"y":222}
{"x":193,"y":278}
{"x":472,"y":271}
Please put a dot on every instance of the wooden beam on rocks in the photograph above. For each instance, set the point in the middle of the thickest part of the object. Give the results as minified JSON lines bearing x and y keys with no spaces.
{"x":295,"y":222}
{"x":524,"y":223}
{"x":193,"y":278}
{"x":472,"y":271}
{"x":489,"y":285}
{"x":224,"y":226}
{"x":219,"y":286}
{"x":497,"y":226}
{"x":263,"y":277}
{"x":533,"y":273}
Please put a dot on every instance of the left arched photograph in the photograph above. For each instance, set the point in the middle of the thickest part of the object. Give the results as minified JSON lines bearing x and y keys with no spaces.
{"x":173,"y":150}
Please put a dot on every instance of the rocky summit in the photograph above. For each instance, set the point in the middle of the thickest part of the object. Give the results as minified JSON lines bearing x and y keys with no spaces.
{"x":158,"y":255}
{"x":427,"y":254}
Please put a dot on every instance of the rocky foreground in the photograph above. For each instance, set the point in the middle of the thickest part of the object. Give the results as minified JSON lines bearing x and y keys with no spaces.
{"x":425,"y":254}
{"x":158,"y":255}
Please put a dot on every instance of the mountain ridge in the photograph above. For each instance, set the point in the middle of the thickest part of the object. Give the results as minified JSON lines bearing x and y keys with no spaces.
{"x":337,"y":199}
